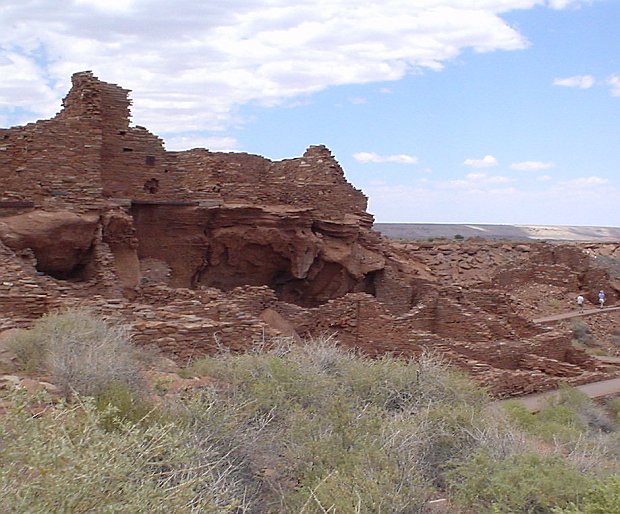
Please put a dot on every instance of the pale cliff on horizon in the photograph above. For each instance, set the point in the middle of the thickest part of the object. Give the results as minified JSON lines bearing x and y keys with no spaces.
{"x":509,"y":232}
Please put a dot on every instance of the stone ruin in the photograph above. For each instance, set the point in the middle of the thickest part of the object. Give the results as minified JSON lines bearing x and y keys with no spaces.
{"x":199,"y":250}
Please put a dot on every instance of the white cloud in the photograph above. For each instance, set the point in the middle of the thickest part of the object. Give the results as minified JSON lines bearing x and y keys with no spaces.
{"x":563,"y":4}
{"x":584,"y":182}
{"x":366,"y":157}
{"x":108,"y":5}
{"x":531,"y":165}
{"x":358,"y":100}
{"x":486,"y":162}
{"x":614,"y":83}
{"x":550,"y":206}
{"x":187,"y":142}
{"x":578,"y":81}
{"x":192,"y":64}
{"x":474,"y":182}
{"x":543,"y":178}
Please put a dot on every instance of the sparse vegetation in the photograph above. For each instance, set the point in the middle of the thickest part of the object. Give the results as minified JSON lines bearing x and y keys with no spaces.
{"x":303,"y":428}
{"x":64,"y":460}
{"x":81,"y":352}
{"x":610,"y":264}
{"x":555,"y":303}
{"x":525,"y":483}
{"x":581,"y":332}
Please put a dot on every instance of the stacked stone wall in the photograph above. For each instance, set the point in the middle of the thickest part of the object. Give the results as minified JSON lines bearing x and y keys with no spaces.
{"x":52,"y":164}
{"x":313,"y":181}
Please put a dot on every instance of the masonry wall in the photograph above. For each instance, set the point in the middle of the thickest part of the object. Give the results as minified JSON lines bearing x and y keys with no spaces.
{"x":89,"y":152}
{"x":50,"y":164}
{"x":315,"y":181}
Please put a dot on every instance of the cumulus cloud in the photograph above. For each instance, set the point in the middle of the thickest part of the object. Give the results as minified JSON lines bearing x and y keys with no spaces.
{"x":555,"y":205}
{"x":192,"y":65}
{"x":563,"y":4}
{"x":358,"y":100}
{"x":486,"y":162}
{"x":531,"y":165}
{"x":584,"y":182}
{"x":614,"y":83}
{"x":578,"y":81}
{"x":474,"y":181}
{"x":366,"y":157}
{"x":187,"y":142}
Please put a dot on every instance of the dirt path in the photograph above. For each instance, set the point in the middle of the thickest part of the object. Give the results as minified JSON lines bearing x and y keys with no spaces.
{"x":535,"y":402}
{"x":575,"y":314}
{"x":608,"y":359}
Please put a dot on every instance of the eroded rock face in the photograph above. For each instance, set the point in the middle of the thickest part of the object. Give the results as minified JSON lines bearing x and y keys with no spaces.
{"x":198,"y":250}
{"x":306,"y":261}
{"x":62,"y":242}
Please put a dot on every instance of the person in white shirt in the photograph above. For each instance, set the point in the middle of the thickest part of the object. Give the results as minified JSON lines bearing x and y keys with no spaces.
{"x":580,"y":301}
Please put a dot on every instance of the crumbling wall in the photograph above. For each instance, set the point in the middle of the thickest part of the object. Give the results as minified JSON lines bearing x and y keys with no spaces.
{"x":315,"y":181}
{"x":53,"y":164}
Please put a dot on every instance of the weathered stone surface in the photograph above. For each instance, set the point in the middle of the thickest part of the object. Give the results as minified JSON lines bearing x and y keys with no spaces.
{"x":62,"y":242}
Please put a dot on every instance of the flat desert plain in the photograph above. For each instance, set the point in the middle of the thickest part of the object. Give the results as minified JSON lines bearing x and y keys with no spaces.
{"x":509,"y":232}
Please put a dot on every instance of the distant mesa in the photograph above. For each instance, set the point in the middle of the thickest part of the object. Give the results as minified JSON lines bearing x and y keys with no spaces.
{"x":490,"y":231}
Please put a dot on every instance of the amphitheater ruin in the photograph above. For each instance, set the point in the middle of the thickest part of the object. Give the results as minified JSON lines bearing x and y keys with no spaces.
{"x":199,"y":250}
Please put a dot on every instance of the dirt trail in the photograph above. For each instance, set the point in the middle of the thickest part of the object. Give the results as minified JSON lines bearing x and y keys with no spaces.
{"x":575,"y":314}
{"x":535,"y":402}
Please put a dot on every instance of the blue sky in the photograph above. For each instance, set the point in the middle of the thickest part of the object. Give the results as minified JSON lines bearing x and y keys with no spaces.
{"x":471,"y":111}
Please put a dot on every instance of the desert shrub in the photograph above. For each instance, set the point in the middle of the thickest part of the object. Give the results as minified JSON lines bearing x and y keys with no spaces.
{"x":230,"y":446}
{"x":348,"y":458}
{"x":591,"y":414}
{"x":581,"y":332}
{"x":333,"y":429}
{"x":554,"y":423}
{"x":613,"y":406}
{"x":30,"y":349}
{"x":576,"y":427}
{"x":119,"y":404}
{"x":555,"y":303}
{"x":602,"y":498}
{"x":396,"y":384}
{"x":62,"y":460}
{"x":527,"y":483}
{"x":80,"y":352}
{"x":346,"y":432}
{"x":300,"y":428}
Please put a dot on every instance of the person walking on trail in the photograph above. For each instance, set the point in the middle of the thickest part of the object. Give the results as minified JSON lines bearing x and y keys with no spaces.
{"x":601,"y":298}
{"x":580,"y":301}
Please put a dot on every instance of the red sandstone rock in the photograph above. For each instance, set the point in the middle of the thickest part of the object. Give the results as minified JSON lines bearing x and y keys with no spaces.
{"x":61,"y":241}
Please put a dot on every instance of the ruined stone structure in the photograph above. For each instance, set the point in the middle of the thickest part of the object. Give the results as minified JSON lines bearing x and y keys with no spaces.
{"x":199,"y":250}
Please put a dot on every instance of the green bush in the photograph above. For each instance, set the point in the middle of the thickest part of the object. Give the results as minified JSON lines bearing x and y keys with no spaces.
{"x":81,"y":352}
{"x":613,"y":405}
{"x":299,"y":428}
{"x":602,"y":498}
{"x":581,"y":332}
{"x":524,"y":483}
{"x":62,"y":460}
{"x":30,"y":349}
{"x":118,"y":405}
